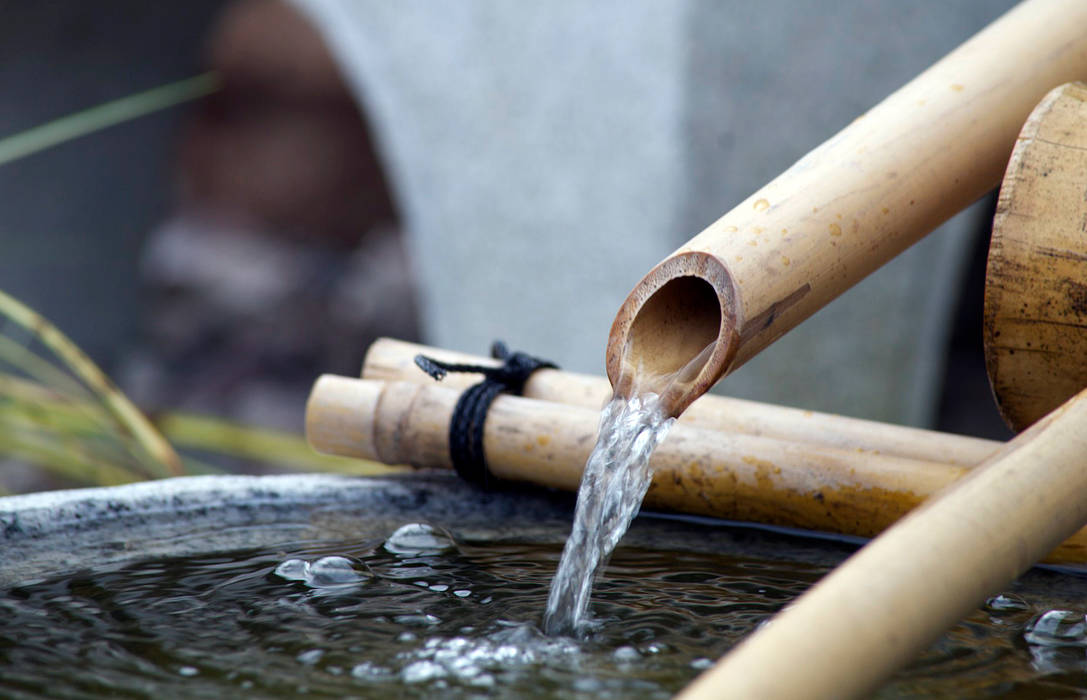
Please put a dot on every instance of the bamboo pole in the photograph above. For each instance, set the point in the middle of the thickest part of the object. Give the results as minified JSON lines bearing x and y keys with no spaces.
{"x":848,"y":633}
{"x":393,"y":360}
{"x":849,"y":206}
{"x":1036,"y":285}
{"x":705,"y":472}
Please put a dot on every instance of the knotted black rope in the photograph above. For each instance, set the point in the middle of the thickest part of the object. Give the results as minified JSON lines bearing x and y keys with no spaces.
{"x":466,"y":425}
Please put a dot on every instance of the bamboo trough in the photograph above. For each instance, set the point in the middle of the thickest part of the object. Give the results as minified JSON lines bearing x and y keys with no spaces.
{"x":697,"y":470}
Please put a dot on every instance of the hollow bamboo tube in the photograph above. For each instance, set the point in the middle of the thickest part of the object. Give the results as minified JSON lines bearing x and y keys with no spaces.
{"x":393,"y":360}
{"x":849,"y":632}
{"x":704,"y":472}
{"x":849,"y":206}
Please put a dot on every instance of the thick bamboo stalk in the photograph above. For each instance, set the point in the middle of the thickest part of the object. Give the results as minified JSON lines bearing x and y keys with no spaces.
{"x":726,"y":475}
{"x":1036,"y":286}
{"x":393,"y":360}
{"x":849,"y":632}
{"x":849,"y":206}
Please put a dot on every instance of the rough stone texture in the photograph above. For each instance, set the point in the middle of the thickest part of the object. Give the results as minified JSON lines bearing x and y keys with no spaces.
{"x":544,"y":157}
{"x":59,"y":531}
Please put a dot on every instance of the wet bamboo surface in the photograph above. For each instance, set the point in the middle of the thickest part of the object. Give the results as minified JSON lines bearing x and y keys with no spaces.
{"x":699,"y":471}
{"x":1035,"y":327}
{"x":393,"y":360}
{"x":879,"y":609}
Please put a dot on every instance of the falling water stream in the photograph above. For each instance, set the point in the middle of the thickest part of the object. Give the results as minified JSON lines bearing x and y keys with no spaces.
{"x":616,"y":477}
{"x":615,"y":480}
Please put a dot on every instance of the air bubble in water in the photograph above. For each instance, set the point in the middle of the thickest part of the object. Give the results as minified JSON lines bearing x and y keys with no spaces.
{"x":310,"y":657}
{"x":1006,"y":602}
{"x":325,"y":573}
{"x":367,"y":671}
{"x":293,"y":570}
{"x":421,"y":671}
{"x":1057,"y":628}
{"x":417,"y":538}
{"x":333,"y":571}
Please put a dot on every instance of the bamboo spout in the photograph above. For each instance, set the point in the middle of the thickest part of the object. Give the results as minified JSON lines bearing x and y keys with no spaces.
{"x":849,"y":206}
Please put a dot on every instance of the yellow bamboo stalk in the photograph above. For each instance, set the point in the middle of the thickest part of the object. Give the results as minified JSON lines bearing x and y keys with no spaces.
{"x":850,"y":632}
{"x":705,"y":472}
{"x":393,"y":360}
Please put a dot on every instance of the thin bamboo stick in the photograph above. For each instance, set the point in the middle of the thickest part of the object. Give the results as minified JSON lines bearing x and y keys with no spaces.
{"x":849,"y":206}
{"x":727,"y":475}
{"x":393,"y":360}
{"x":849,"y":632}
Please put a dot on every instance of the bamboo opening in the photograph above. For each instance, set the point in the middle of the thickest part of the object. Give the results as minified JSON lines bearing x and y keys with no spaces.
{"x":690,"y":307}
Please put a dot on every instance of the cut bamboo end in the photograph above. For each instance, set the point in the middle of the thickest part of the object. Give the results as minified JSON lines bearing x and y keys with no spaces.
{"x":1035,"y":328}
{"x":332,"y":417}
{"x":703,"y":472}
{"x":683,"y":306}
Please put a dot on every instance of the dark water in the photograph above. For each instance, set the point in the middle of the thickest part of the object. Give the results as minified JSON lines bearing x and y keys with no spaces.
{"x":418,"y":615}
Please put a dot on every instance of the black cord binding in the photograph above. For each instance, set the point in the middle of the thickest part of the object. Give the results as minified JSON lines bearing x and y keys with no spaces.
{"x":470,"y":413}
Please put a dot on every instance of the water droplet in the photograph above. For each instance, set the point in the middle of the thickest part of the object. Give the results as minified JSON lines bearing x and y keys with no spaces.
{"x":187,"y":671}
{"x":462,"y":593}
{"x":761,"y":205}
{"x":416,"y":620}
{"x":439,"y":588}
{"x":367,"y":671}
{"x":406,"y":637}
{"x":701,"y":663}
{"x":421,"y":671}
{"x":310,"y":657}
{"x":1006,"y":602}
{"x":1057,"y":628}
{"x":333,"y":571}
{"x":293,"y":570}
{"x":626,"y":654}
{"x":417,"y":538}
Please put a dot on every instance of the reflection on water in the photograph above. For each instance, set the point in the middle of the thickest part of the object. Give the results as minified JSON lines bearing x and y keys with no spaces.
{"x":418,"y":614}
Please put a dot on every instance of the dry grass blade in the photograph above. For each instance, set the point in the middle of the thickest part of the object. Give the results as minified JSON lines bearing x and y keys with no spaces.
{"x":214,"y":435}
{"x":159,"y":458}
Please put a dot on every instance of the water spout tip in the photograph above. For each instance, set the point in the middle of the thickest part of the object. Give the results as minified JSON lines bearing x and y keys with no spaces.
{"x":676,"y":329}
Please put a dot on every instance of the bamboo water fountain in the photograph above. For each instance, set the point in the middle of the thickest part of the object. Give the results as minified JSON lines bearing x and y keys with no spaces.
{"x":842,"y":211}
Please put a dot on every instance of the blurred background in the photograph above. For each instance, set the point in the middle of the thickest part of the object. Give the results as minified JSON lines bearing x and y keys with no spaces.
{"x":453,"y":174}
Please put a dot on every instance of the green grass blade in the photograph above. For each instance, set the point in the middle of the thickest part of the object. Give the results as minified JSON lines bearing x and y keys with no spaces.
{"x":88,"y":121}
{"x":269,"y":446}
